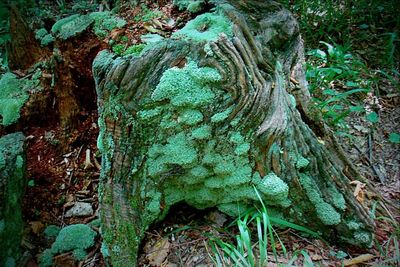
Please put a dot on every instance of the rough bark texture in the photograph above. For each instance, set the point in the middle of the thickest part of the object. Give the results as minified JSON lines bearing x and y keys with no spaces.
{"x":211,"y":115}
{"x":23,"y":50}
{"x":12,"y":184}
{"x":67,"y":87}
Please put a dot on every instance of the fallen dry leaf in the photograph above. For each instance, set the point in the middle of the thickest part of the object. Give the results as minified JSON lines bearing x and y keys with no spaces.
{"x":358,"y":191}
{"x":36,"y":226}
{"x":359,"y":259}
{"x":316,"y":257}
{"x":158,"y":253}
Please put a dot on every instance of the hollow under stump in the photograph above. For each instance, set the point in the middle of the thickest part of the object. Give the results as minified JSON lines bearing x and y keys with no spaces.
{"x":211,"y":116}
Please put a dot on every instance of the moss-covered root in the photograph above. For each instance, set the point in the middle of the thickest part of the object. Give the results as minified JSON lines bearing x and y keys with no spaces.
{"x":75,"y":238}
{"x":12,"y":182}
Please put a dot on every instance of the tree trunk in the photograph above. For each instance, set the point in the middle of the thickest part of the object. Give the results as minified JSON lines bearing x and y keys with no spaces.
{"x":23,"y":50}
{"x":69,"y":91}
{"x":210,"y":116}
{"x":12,"y":187}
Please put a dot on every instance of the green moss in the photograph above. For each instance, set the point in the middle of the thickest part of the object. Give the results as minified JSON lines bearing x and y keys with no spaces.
{"x":51,"y":231}
{"x":118,"y":49}
{"x":71,"y":26}
{"x":203,"y":132}
{"x":362,"y":238}
{"x":46,"y":259}
{"x":12,"y":184}
{"x":199,"y":172}
{"x":234,"y":209}
{"x":274,"y":188}
{"x":219,"y":117}
{"x":95,"y":223}
{"x":2,"y":162}
{"x":336,"y":198}
{"x":104,"y":250}
{"x":292,"y":100}
{"x":302,"y":163}
{"x":236,"y":138}
{"x":47,"y":39}
{"x":75,"y":238}
{"x":205,"y":27}
{"x":149,"y":114}
{"x":190,"y":117}
{"x":104,"y":22}
{"x":325,"y":212}
{"x":354,"y":225}
{"x":242,"y":149}
{"x":186,"y":87}
{"x":13,"y":96}
{"x":44,"y":37}
{"x":40,"y":33}
{"x":134,"y":50}
{"x":192,"y":6}
{"x":179,"y":150}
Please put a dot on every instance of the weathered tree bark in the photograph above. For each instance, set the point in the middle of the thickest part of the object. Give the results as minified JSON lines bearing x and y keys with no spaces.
{"x":67,"y":81}
{"x":23,"y":50}
{"x":211,"y":115}
{"x":12,"y":187}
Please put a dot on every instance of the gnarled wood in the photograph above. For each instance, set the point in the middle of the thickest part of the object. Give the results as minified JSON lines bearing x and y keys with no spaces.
{"x":258,"y":117}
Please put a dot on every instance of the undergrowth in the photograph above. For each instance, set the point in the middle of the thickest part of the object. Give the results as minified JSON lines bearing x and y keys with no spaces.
{"x":257,"y":251}
{"x":338,"y":82}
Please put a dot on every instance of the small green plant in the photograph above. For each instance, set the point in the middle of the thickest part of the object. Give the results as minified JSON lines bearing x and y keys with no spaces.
{"x":390,"y":249}
{"x":118,"y":49}
{"x":134,"y":49}
{"x":249,"y":252}
{"x":334,"y":75}
{"x":394,"y":138}
{"x":146,"y":14}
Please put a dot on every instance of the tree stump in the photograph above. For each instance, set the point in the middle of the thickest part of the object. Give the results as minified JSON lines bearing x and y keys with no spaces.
{"x":210,"y":116}
{"x":12,"y":187}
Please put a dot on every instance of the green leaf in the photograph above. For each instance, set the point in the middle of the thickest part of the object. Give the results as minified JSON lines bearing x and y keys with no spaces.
{"x":317,"y":53}
{"x":373,"y":117}
{"x":351,"y":84}
{"x":31,"y":183}
{"x":329,"y":92}
{"x":357,"y":109}
{"x":394,"y":138}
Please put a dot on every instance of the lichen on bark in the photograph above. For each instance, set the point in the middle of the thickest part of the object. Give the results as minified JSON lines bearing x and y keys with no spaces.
{"x":12,"y":186}
{"x":208,"y":118}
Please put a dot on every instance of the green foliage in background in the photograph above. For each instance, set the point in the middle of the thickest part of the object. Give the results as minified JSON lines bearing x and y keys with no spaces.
{"x":356,"y":24}
{"x":337,"y":80}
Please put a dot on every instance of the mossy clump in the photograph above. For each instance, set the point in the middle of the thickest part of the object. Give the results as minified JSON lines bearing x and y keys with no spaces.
{"x":302,"y":162}
{"x":71,"y":26}
{"x":44,"y":37}
{"x":51,"y":231}
{"x":12,"y":183}
{"x":274,"y":189}
{"x":205,"y":27}
{"x":104,"y":22}
{"x":13,"y":95}
{"x":186,"y":87}
{"x":134,"y":50}
{"x":325,"y":212}
{"x":192,"y":6}
{"x":209,"y":170}
{"x":76,"y":238}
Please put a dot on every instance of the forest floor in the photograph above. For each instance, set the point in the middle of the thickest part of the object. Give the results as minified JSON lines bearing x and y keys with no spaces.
{"x":61,"y":179}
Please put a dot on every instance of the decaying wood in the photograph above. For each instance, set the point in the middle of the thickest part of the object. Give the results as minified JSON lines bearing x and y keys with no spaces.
{"x":261,"y":67}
